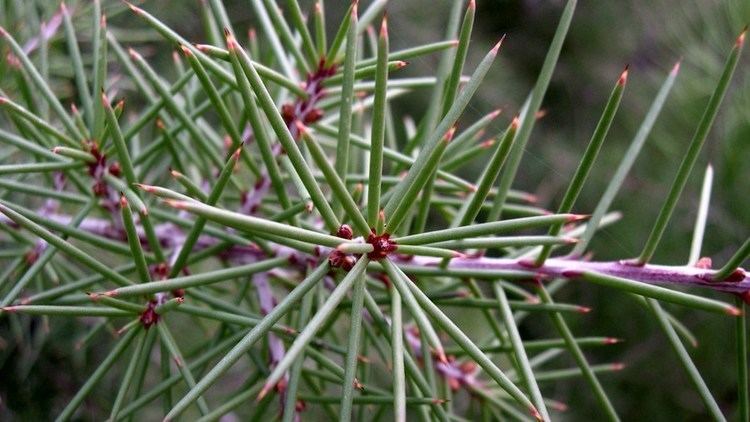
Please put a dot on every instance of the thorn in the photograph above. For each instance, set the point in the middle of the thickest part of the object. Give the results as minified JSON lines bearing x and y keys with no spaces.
{"x":571,"y":240}
{"x":262,"y":393}
{"x":487,"y":144}
{"x":134,"y":54}
{"x":174,"y":173}
{"x":103,"y":22}
{"x":731,"y":310}
{"x":146,"y":188}
{"x":515,"y":123}
{"x":496,"y":48}
{"x":383,"y":24}
{"x":494,"y":113}
{"x":612,"y":340}
{"x":441,"y":356}
{"x":449,"y":134}
{"x":741,"y":38}
{"x":558,"y":406}
{"x":472,"y":5}
{"x":123,"y":201}
{"x":573,"y":218}
{"x":454,"y":43}
{"x":676,"y":68}
{"x":618,"y":366}
{"x":363,"y":359}
{"x":399,"y":64}
{"x":530,"y":198}
{"x":237,"y":152}
{"x":180,"y":205}
{"x":584,"y":309}
{"x":302,"y":128}
{"x":355,"y":6}
{"x":533,"y":300}
{"x":4,"y":33}
{"x":623,"y":76}
{"x":105,"y":100}
{"x":535,"y":413}
{"x":132,"y":7}
{"x":186,"y":51}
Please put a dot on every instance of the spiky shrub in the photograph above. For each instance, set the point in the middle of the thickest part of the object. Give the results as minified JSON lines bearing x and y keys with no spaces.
{"x":299,"y":257}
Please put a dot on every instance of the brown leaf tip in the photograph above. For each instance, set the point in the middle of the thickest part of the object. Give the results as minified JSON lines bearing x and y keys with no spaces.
{"x":449,"y":134}
{"x":134,"y":8}
{"x":573,"y":218}
{"x":623,"y":76}
{"x":186,"y":51}
{"x":487,"y":144}
{"x":383,"y":26}
{"x":515,"y":123}
{"x":231,"y":41}
{"x":496,"y":48}
{"x":676,"y":68}
{"x":535,"y":413}
{"x":134,"y":54}
{"x":741,"y":38}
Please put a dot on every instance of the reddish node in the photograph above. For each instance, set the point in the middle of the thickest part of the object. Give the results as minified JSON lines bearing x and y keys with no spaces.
{"x":345,"y":232}
{"x":338,"y":259}
{"x":115,"y":170}
{"x":382,"y":245}
{"x":149,"y":317}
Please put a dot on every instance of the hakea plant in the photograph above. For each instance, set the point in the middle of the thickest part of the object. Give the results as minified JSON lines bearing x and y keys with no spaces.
{"x":269,"y":212}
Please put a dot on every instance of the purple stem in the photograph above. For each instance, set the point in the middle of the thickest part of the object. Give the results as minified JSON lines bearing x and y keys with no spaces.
{"x":172,"y":236}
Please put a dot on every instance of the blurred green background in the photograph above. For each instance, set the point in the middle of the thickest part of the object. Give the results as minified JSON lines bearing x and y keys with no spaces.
{"x":650,"y":36}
